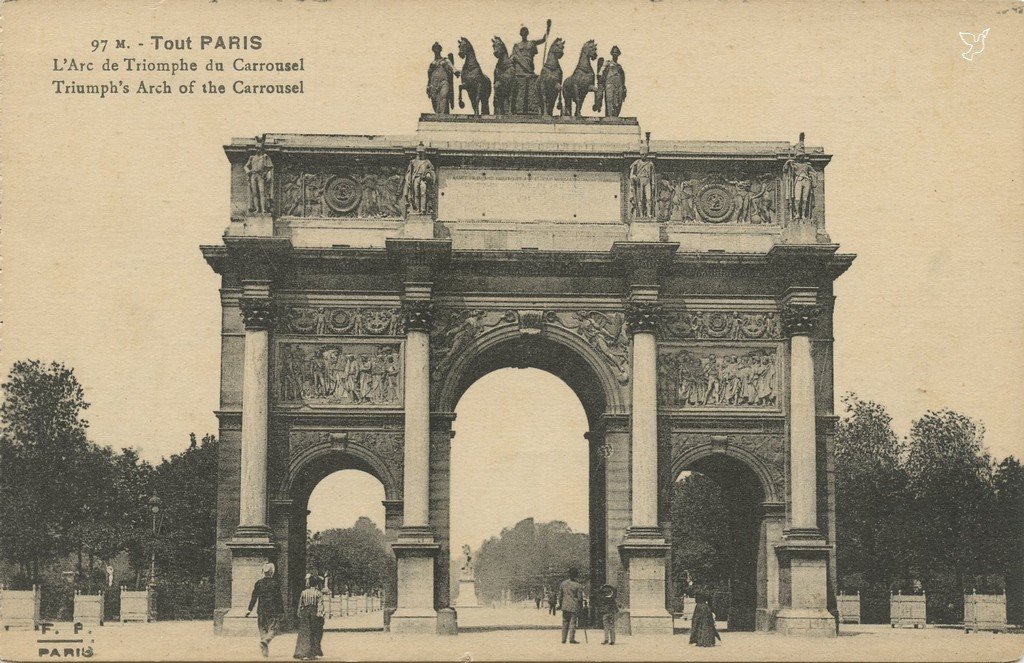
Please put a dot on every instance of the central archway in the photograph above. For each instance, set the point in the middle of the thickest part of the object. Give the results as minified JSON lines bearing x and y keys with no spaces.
{"x":597,"y":383}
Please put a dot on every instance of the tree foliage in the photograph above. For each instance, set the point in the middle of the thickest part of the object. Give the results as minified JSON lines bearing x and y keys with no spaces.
{"x":357,"y":558}
{"x":528,"y":556}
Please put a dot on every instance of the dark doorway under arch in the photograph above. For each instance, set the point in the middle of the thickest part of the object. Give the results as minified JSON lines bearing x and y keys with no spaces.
{"x":716,"y":534}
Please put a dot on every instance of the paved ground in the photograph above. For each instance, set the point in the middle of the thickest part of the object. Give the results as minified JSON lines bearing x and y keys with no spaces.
{"x":533,"y":636}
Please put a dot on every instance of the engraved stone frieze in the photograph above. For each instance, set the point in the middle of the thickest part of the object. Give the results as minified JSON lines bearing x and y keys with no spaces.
{"x":340,"y":321}
{"x":718,"y":198}
{"x":342,"y":192}
{"x":721,"y":325}
{"x":702,"y":377}
{"x":356,"y":374}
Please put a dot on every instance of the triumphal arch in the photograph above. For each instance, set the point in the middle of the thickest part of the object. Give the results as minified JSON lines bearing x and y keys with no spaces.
{"x":682,"y":289}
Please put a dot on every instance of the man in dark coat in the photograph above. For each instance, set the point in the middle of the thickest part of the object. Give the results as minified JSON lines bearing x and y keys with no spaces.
{"x":702,"y":629}
{"x":570,"y":602}
{"x":267,"y":592}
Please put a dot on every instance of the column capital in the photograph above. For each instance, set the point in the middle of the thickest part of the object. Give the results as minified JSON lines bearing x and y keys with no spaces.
{"x":257,"y":313}
{"x":643,"y":317}
{"x":418,"y":315}
{"x":799,"y":318}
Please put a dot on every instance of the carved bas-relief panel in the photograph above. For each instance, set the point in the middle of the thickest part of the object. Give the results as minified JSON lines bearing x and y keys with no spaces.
{"x":340,"y":321}
{"x":341,"y":191}
{"x":718,"y":377}
{"x":339,"y":374}
{"x":719,"y":198}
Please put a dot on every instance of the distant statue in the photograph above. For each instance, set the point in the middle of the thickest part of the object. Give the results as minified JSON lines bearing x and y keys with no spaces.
{"x":474,"y":81}
{"x":440,"y":86}
{"x":260,"y":171}
{"x":467,"y":565}
{"x":418,"y":183}
{"x":549,"y":83}
{"x":641,"y":185}
{"x":611,"y":87}
{"x":798,"y":179}
{"x":581,"y":82}
{"x":524,"y":94}
{"x":504,"y":78}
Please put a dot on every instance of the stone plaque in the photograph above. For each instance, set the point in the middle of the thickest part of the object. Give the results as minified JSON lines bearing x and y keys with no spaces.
{"x":717,"y":377}
{"x":346,"y":374}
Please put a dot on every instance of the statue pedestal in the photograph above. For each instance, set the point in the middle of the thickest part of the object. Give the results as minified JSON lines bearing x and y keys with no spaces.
{"x":467,"y":594}
{"x":418,"y":226}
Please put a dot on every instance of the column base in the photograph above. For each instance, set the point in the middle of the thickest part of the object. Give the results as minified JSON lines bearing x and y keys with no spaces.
{"x":813,"y":622}
{"x":415,"y":551}
{"x":804,"y":553}
{"x":643,"y":553}
{"x":250,"y":550}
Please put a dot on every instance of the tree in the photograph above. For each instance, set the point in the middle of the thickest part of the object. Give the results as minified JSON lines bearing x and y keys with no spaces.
{"x":42,"y":432}
{"x":1009,"y":532}
{"x":357,"y":558}
{"x":186,"y":484}
{"x":700,"y":533}
{"x":952,"y":509}
{"x":528,"y":556}
{"x":871,"y":505}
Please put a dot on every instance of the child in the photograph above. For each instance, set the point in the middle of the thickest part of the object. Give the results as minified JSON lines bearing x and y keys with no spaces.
{"x":608,"y":608}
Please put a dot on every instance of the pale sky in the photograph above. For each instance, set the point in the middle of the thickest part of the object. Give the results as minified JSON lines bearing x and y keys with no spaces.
{"x":105,"y":202}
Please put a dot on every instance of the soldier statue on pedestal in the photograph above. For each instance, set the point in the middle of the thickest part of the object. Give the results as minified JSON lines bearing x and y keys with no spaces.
{"x":641,"y":184}
{"x":418,"y":184}
{"x":798,"y":179}
{"x":259,"y":169}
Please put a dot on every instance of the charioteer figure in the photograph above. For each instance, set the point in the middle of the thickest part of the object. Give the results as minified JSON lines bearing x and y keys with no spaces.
{"x":524,"y":95}
{"x":440,"y":83}
{"x":612,"y":85}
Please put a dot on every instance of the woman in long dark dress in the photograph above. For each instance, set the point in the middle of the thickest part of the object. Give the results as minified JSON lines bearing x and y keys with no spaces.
{"x":311,"y":609}
{"x":702,"y":629}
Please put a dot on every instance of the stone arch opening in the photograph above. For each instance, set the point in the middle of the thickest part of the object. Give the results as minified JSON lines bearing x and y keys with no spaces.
{"x":596,"y":383}
{"x":309,"y":470}
{"x":717,"y":534}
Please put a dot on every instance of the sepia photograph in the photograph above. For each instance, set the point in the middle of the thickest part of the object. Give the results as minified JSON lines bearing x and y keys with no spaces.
{"x":473,"y":330}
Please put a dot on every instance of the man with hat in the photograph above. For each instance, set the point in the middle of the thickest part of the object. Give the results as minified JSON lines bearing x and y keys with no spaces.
{"x":608,"y":608}
{"x":267,"y":592}
{"x":570,"y":602}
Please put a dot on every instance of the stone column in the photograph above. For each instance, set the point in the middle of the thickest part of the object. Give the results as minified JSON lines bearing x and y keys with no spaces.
{"x":416,"y":548}
{"x":251,"y":546}
{"x":645,"y":548}
{"x":803,"y":554}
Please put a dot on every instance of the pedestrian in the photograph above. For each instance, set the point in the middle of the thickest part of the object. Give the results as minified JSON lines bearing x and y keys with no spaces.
{"x":570,"y":601}
{"x":702,"y":628}
{"x":552,"y":600}
{"x":537,"y":596}
{"x":608,"y":608}
{"x":267,"y":593}
{"x":310,"y":613}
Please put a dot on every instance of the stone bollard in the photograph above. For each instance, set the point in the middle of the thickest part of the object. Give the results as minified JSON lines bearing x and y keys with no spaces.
{"x":447,"y":622}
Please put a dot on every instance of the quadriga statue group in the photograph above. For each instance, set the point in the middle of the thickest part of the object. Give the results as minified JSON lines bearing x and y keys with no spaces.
{"x":518,"y":89}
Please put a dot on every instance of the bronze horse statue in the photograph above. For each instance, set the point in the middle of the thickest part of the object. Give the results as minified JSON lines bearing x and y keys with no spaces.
{"x":550,"y":81}
{"x":583,"y":81}
{"x":474,"y":80}
{"x":502,"y":78}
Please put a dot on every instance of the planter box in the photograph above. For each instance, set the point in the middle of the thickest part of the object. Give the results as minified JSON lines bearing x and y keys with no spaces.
{"x":984,"y":612}
{"x":19,"y":609}
{"x":849,"y":608}
{"x":907,"y":610}
{"x":89,"y":609}
{"x":136,"y":606}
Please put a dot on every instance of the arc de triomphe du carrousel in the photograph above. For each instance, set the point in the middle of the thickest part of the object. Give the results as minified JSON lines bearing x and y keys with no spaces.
{"x":682,"y":289}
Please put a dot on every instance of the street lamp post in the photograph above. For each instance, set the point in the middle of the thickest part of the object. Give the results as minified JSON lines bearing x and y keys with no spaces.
{"x":155,"y":503}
